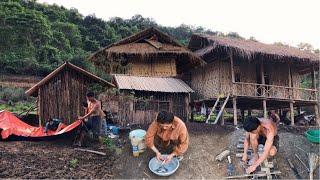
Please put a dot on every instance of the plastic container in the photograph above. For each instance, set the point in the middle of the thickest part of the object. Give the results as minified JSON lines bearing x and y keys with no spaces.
{"x":171,"y":167}
{"x":137,"y":141}
{"x":313,"y":135}
{"x":114,"y":129}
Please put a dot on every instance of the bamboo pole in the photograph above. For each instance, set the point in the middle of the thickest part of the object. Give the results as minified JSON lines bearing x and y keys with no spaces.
{"x":232,"y":73}
{"x":291,"y":113}
{"x":40,"y":106}
{"x":264,"y":104}
{"x":291,"y":96}
{"x":222,"y":118}
{"x":234,"y":102}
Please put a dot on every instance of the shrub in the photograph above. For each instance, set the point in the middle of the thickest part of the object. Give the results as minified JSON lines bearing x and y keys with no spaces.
{"x":13,"y":94}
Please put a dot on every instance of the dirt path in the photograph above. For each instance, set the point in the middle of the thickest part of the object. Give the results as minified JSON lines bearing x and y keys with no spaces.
{"x":205,"y":143}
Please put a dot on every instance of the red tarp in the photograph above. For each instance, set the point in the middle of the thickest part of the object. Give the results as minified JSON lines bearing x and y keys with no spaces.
{"x":11,"y":125}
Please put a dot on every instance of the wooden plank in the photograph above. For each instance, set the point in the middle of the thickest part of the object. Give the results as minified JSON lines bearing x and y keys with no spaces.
{"x":90,"y":151}
{"x":258,"y":174}
{"x":222,"y":155}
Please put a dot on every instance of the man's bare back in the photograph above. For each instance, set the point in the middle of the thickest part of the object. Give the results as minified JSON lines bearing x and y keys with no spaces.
{"x":260,"y":131}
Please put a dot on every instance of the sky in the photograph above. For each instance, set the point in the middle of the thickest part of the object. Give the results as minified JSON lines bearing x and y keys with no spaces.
{"x":269,"y":21}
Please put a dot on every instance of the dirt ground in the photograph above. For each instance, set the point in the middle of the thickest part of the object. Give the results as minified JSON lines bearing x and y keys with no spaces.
{"x":56,"y":159}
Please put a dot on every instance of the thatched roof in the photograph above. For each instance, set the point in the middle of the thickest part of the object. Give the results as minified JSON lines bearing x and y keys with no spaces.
{"x":204,"y":45}
{"x":149,"y":43}
{"x":33,"y":91}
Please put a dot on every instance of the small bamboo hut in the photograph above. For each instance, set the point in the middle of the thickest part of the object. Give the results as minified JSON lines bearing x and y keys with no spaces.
{"x":149,"y":61}
{"x":253,"y":74}
{"x":61,"y":93}
{"x":152,"y":94}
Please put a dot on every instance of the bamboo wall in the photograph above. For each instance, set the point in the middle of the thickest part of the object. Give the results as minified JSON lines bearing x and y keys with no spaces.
{"x":211,"y":80}
{"x":62,"y":97}
{"x":153,"y":67}
{"x":215,"y":78}
{"x":144,"y":107}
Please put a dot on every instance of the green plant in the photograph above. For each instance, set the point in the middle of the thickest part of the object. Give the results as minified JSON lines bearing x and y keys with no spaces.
{"x":74,"y":163}
{"x":109,"y":143}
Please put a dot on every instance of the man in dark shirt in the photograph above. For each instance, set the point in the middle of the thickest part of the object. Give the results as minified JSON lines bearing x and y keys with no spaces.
{"x":54,"y":125}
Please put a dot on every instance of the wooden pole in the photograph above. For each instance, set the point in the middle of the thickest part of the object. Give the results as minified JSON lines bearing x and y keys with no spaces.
{"x":290,"y":82}
{"x":234,"y":102}
{"x":262,"y":78}
{"x":222,"y":118}
{"x":264,"y":104}
{"x":313,"y":77}
{"x":232,"y":69}
{"x":291,"y":113}
{"x":40,"y":106}
{"x":316,"y":113}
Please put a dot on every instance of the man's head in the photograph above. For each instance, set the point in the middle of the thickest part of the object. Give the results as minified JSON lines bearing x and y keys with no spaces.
{"x":251,"y":124}
{"x":90,"y":96}
{"x":165,"y":119}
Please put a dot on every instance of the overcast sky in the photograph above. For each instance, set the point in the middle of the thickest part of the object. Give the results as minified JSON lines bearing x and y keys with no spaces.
{"x":288,"y":21}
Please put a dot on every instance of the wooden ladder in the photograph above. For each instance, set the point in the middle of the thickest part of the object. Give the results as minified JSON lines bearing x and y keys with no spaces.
{"x":222,"y":102}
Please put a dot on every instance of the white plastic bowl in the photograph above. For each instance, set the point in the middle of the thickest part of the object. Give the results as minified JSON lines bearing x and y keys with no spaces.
{"x":172,"y":166}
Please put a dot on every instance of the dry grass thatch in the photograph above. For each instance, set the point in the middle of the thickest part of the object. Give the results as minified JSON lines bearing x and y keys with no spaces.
{"x":145,"y":44}
{"x":203,"y":45}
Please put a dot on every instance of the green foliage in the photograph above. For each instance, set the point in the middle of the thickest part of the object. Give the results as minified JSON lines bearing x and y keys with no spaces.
{"x":36,"y":38}
{"x":13,"y":94}
{"x":17,"y":107}
{"x":74,"y":163}
{"x":199,"y":118}
{"x":109,"y":143}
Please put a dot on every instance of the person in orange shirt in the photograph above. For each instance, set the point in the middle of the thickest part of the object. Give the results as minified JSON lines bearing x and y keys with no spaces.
{"x":167,"y":134}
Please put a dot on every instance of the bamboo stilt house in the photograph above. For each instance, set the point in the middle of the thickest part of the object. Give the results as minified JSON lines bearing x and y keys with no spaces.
{"x":256,"y":75}
{"x":61,"y":93}
{"x":142,"y":56}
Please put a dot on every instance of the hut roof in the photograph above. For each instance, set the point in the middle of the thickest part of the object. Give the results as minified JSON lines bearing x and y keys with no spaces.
{"x":148,"y":43}
{"x":204,"y":45}
{"x":154,"y":84}
{"x":33,"y":91}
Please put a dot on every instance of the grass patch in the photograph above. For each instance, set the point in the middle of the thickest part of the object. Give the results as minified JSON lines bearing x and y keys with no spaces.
{"x":18,"y":107}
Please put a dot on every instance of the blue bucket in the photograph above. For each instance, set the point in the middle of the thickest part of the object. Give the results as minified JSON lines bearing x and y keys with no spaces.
{"x":115,"y":130}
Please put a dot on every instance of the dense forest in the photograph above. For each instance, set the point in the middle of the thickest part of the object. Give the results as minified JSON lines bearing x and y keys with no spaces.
{"x":36,"y":38}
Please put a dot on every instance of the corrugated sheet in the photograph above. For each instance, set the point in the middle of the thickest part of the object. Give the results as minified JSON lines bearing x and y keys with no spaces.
{"x":156,"y":84}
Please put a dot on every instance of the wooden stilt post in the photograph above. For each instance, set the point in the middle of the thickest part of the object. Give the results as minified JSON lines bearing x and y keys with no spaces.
{"x":264,"y":104}
{"x":222,"y":118}
{"x":234,"y":102}
{"x":314,"y":86}
{"x":291,"y":113}
{"x":316,"y":113}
